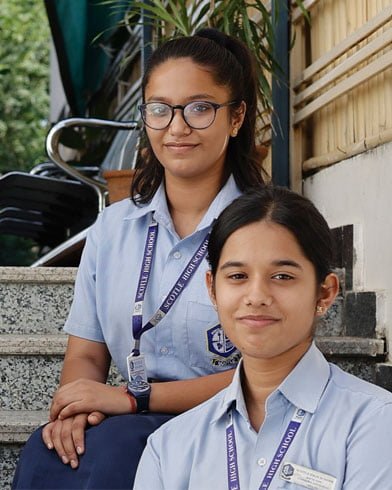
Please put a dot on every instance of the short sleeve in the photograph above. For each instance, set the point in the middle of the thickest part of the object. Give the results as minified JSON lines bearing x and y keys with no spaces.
{"x":368,"y":462}
{"x":83,"y":320}
{"x":148,"y":473}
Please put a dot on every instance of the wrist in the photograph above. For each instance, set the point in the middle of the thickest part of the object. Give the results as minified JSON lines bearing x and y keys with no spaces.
{"x":131,"y":399}
{"x":140,"y":390}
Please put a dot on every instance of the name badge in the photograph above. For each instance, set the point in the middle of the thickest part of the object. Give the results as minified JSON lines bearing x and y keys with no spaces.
{"x":307,"y":477}
{"x":136,"y":368}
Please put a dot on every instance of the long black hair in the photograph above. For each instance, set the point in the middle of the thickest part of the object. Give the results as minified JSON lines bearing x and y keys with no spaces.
{"x":283,"y":207}
{"x":232,"y":65}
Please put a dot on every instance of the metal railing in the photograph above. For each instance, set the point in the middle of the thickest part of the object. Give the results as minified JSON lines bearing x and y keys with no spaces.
{"x":52,"y":148}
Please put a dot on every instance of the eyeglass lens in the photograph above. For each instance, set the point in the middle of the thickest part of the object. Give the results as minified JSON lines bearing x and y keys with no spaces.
{"x":198,"y":115}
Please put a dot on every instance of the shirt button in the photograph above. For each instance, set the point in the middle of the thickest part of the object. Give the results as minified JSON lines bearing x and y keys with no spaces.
{"x":261,"y":461}
{"x":164,"y":350}
{"x":177,"y":255}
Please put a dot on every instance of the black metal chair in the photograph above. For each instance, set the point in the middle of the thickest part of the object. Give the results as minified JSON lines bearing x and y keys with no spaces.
{"x":45,"y":209}
{"x":57,"y":202}
{"x":121,"y":154}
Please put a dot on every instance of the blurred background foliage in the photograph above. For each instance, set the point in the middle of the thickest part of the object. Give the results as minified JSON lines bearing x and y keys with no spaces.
{"x":16,"y":251}
{"x":24,"y":101}
{"x":24,"y":83}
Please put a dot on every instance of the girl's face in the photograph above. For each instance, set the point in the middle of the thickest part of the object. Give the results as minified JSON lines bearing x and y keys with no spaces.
{"x":266,"y":291}
{"x":185,"y":152}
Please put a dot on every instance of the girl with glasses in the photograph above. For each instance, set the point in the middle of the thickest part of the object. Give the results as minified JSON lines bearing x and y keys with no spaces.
{"x":140,"y":299}
{"x":289,"y":419}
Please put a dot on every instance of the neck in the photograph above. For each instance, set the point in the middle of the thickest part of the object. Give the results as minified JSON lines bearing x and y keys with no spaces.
{"x":188,"y":201}
{"x":262,"y":376}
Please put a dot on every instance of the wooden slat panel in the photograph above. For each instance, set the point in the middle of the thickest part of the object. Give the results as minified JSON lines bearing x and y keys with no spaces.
{"x":350,"y":39}
{"x":344,"y":86}
{"x":360,"y":56}
{"x":357,"y":36}
{"x":341,"y":154}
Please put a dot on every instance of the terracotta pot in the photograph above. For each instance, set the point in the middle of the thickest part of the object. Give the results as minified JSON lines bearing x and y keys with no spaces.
{"x":262,"y":152}
{"x":119,"y":184}
{"x":119,"y":181}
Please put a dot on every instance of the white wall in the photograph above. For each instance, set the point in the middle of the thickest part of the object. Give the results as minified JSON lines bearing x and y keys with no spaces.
{"x":359,"y":191}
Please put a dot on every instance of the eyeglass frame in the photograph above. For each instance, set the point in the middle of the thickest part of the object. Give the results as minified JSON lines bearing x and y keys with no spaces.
{"x":215,"y":106}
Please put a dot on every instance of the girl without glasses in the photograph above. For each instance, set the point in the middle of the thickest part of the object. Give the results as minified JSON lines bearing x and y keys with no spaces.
{"x":289,"y":419}
{"x":140,"y":298}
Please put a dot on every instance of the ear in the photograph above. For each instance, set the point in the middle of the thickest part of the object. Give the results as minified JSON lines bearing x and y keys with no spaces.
{"x":327,"y":293}
{"x":210,"y":286}
{"x":237,"y":118}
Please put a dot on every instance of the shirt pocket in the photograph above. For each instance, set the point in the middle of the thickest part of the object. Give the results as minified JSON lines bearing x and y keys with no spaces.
{"x":209,"y":348}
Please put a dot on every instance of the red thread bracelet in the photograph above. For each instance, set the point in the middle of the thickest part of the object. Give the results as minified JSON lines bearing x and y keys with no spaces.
{"x":131,"y":399}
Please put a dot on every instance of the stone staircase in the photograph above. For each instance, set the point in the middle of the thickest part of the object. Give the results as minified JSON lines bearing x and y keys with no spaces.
{"x":33,"y":306}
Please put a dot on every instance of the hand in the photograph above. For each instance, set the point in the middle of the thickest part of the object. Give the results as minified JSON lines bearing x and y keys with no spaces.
{"x":67,"y":436}
{"x":87,"y":396}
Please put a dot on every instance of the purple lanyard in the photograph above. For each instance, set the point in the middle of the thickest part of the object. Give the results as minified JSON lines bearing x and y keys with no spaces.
{"x":231,"y":447}
{"x":171,"y":298}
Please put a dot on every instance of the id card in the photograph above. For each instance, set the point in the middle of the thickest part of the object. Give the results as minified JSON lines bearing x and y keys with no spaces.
{"x":307,"y":477}
{"x":136,"y":368}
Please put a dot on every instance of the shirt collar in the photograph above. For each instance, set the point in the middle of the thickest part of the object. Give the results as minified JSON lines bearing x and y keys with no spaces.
{"x":303,"y":387}
{"x":233,"y":396}
{"x":306,"y":383}
{"x":158,"y":205}
{"x":225,"y":196}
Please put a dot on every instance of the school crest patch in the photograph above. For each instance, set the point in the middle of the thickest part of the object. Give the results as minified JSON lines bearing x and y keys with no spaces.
{"x":224,"y":351}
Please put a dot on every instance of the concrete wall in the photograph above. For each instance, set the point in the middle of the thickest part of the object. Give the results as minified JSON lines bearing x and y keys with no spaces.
{"x":359,"y":191}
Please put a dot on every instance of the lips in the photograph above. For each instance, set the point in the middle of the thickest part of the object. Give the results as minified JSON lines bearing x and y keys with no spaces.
{"x":180,"y":146}
{"x":258,"y":321}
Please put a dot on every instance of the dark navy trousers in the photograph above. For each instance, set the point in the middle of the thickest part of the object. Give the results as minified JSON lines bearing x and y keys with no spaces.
{"x":112,"y":452}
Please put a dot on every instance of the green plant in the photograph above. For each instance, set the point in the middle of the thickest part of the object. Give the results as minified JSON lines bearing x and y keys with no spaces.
{"x":17,"y":251}
{"x":24,"y":84}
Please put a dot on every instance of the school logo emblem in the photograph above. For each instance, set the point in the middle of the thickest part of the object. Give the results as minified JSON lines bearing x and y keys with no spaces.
{"x":287,"y":470}
{"x":218,"y":343}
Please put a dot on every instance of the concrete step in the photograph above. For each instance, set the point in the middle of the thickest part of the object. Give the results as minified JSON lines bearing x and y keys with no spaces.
{"x":35,"y":300}
{"x":350,"y":346}
{"x":30,"y":367}
{"x":17,"y":425}
{"x":15,"y":428}
{"x":356,"y":355}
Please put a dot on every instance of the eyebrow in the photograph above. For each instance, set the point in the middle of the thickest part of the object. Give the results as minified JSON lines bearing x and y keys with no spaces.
{"x":232,"y":263}
{"x":275,"y":263}
{"x":190,"y":99}
{"x":287,"y":263}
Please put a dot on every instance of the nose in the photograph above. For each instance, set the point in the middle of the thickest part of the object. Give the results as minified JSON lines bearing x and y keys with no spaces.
{"x":178,"y":124}
{"x":258,"y":294}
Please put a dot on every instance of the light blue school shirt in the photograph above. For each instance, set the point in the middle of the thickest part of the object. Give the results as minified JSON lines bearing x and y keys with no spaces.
{"x":185,"y":343}
{"x":346,"y":433}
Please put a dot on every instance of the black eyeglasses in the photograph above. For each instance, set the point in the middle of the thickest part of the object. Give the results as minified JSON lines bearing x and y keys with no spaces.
{"x":198,"y":115}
